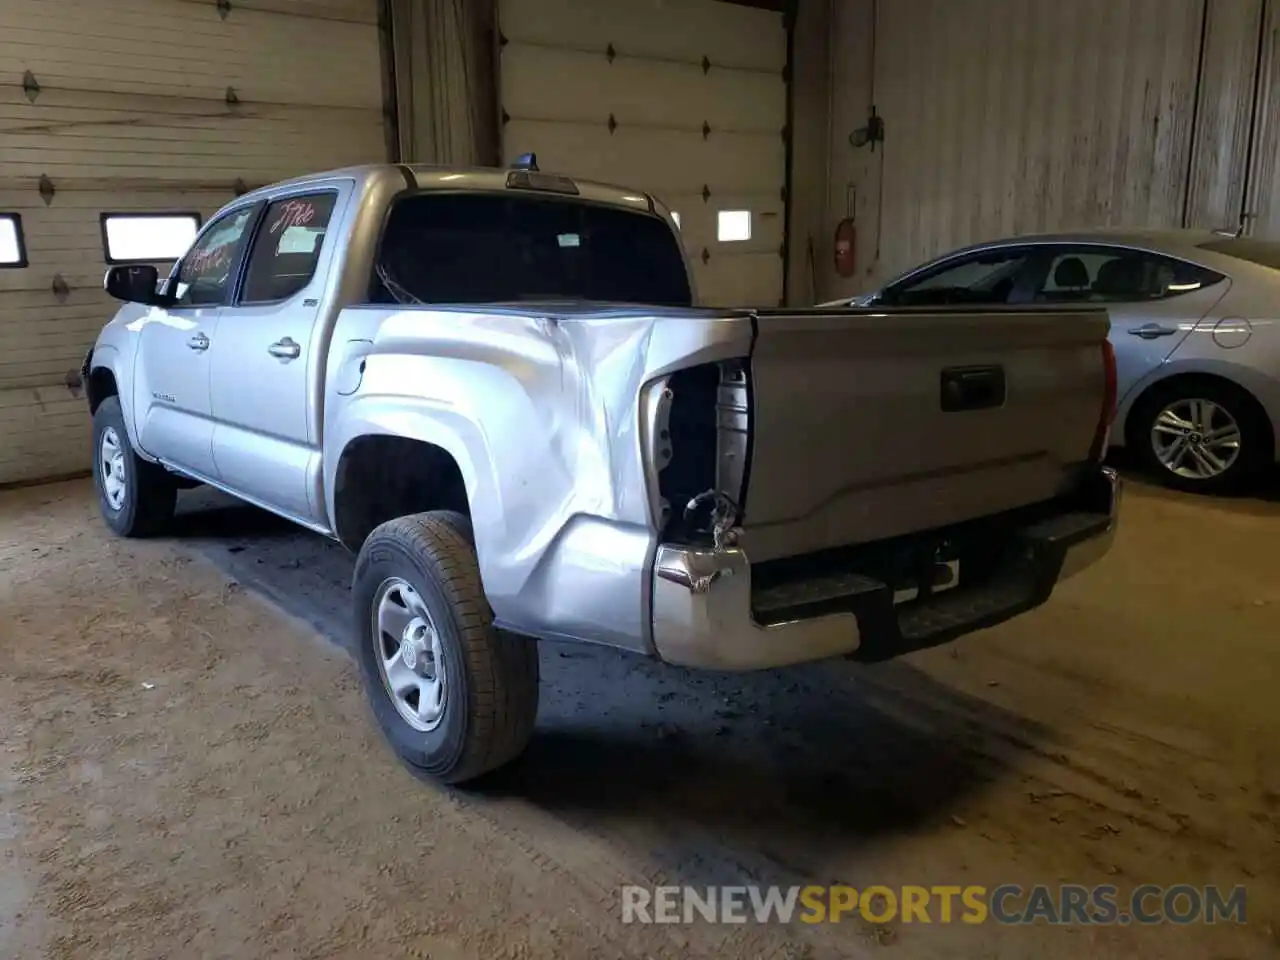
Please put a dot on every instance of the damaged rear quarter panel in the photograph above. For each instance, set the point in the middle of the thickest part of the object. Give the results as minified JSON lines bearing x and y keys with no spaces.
{"x":542,"y":410}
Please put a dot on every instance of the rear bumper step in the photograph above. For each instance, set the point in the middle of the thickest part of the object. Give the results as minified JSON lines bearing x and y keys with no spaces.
{"x":706,"y":613}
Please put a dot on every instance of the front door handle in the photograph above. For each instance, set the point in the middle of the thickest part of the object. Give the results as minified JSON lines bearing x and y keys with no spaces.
{"x":1149,"y":331}
{"x":286,"y":349}
{"x":198,"y":342}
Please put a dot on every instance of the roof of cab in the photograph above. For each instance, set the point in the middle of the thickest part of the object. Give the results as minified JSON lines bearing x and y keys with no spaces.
{"x":482,"y":179}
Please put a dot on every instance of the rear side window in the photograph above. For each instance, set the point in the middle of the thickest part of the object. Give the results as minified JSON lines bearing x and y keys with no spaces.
{"x":983,"y":278}
{"x":1262,"y":252}
{"x":287,"y":247}
{"x":1094,"y":274}
{"x":503,"y":248}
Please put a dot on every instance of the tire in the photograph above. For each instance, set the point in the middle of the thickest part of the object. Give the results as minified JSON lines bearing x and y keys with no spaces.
{"x":136,"y":497}
{"x":1227,"y":405}
{"x":423,"y":571}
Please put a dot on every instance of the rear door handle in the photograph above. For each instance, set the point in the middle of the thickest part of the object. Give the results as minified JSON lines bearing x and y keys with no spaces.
{"x":286,"y":349}
{"x":198,"y":342}
{"x":1149,"y":331}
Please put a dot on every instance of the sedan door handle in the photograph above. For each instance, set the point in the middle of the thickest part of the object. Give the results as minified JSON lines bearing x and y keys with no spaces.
{"x":1149,"y":331}
{"x":198,"y":342}
{"x":286,"y":349}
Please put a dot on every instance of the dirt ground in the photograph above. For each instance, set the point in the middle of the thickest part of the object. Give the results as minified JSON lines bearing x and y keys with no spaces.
{"x":188,"y":770}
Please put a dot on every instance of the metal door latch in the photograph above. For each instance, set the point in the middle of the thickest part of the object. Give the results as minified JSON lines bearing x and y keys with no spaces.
{"x":286,"y":349}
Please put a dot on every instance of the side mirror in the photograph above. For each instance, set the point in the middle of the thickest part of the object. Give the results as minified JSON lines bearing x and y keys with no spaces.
{"x":134,"y":283}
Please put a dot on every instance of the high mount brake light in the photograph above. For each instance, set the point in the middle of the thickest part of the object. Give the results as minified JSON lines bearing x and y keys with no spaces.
{"x":546,"y":182}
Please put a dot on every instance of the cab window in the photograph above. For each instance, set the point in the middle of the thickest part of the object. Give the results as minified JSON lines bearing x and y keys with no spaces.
{"x":287,"y":248}
{"x":204,"y":276}
{"x":504,"y":248}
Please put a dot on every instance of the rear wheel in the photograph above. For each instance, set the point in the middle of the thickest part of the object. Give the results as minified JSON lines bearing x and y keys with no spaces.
{"x":454,"y":696}
{"x":1203,"y":436}
{"x":136,"y":497}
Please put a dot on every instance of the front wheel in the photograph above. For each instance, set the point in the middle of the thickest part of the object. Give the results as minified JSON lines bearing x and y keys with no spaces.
{"x":454,"y":696}
{"x":1201,"y":436}
{"x":137,"y":498}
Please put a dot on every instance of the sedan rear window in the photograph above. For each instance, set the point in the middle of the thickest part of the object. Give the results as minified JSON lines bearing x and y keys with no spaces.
{"x":501,"y":248}
{"x":1265,"y":253}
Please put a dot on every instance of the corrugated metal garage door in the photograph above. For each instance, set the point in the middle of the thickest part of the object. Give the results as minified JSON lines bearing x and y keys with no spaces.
{"x":685,"y":99}
{"x":123,"y":105}
{"x":1041,"y":115}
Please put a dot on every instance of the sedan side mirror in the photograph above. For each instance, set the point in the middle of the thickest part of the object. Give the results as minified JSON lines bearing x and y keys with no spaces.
{"x":134,"y":283}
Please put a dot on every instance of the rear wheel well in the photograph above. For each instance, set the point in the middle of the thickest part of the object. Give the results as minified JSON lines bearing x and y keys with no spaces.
{"x":102,"y":384}
{"x":1188,"y":381}
{"x":380,"y":478}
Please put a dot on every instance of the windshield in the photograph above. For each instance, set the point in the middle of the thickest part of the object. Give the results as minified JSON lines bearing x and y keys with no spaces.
{"x":500,"y":248}
{"x":1262,"y":252}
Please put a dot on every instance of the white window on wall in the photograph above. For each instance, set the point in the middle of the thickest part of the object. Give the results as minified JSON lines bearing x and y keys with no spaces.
{"x":733,"y":226}
{"x":147,"y":237}
{"x":13,"y":248}
{"x":299,"y":240}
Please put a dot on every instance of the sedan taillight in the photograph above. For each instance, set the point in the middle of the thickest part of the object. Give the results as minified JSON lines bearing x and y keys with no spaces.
{"x":1102,"y":435}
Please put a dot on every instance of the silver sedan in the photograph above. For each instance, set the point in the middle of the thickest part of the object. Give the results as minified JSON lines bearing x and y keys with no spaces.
{"x":1193,"y":323}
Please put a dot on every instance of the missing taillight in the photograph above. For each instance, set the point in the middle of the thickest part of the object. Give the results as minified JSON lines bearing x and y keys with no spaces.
{"x":706,"y":452}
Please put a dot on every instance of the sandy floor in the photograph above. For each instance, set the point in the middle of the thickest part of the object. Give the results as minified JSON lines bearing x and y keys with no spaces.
{"x":187,"y":770}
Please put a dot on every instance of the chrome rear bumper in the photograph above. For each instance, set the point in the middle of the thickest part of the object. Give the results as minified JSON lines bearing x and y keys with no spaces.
{"x":703,"y":613}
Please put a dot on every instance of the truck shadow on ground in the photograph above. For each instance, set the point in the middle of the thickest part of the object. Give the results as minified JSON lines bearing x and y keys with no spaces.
{"x":709,"y":776}
{"x":773,"y":775}
{"x":205,"y":514}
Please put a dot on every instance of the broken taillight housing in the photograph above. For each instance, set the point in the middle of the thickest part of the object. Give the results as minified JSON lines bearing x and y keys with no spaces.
{"x":703,"y":452}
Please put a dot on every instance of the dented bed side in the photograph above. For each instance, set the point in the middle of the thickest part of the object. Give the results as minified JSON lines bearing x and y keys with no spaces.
{"x":617,"y":459}
{"x":551,"y":414}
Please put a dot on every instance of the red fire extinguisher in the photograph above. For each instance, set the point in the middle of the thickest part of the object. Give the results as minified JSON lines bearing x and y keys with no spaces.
{"x":846,"y":247}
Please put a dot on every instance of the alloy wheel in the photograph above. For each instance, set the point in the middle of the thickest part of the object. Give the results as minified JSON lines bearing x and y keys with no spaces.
{"x":1196,"y":439}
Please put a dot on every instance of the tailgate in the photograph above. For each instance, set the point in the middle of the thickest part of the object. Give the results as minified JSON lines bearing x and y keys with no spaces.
{"x":867,"y":424}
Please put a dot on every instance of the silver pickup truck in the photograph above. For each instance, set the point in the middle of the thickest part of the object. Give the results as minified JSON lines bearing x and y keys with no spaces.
{"x":495,"y":387}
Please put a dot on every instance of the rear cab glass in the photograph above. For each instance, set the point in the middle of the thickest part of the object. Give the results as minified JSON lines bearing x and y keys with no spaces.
{"x":459,"y":248}
{"x":1264,"y":253}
